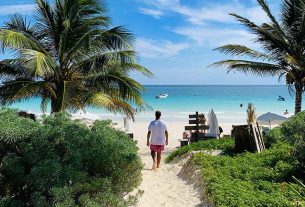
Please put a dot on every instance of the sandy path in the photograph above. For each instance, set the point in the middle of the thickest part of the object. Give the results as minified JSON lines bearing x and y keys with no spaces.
{"x":163,"y":187}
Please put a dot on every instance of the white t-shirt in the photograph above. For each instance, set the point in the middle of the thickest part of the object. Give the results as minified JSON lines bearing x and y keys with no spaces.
{"x":157,"y":128}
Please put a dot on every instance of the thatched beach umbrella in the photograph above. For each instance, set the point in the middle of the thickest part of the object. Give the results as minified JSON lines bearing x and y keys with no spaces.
{"x":270,"y":119}
{"x":86,"y":118}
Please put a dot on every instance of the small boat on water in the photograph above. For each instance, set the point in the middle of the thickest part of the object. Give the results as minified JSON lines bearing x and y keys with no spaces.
{"x":162,"y":95}
{"x":280,"y":98}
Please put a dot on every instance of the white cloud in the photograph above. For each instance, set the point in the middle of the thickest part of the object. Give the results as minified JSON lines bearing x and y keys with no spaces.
{"x":18,"y":8}
{"x":214,"y":37}
{"x":151,"y":12}
{"x":210,"y":12}
{"x":210,"y":24}
{"x":159,"y":49}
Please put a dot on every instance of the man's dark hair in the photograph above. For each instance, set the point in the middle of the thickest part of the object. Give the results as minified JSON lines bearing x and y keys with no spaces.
{"x":158,"y":114}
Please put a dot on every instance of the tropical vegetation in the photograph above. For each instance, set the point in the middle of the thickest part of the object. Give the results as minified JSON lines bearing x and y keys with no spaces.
{"x":59,"y":162}
{"x":282,"y":46}
{"x":71,"y":58}
{"x":226,"y":145}
{"x":251,"y":179}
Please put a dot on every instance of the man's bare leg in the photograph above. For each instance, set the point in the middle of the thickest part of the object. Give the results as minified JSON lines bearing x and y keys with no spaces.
{"x":158,"y":159}
{"x":153,"y":155}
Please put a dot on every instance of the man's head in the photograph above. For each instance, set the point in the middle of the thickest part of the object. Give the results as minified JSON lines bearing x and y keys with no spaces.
{"x":158,"y":114}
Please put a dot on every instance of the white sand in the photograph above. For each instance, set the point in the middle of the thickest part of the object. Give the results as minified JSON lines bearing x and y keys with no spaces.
{"x":163,"y":187}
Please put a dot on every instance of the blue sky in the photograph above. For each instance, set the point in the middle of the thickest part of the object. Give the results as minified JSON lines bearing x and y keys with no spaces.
{"x":175,"y":38}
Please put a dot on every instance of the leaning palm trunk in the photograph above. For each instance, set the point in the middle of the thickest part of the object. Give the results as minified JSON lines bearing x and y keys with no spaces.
{"x":298,"y":97}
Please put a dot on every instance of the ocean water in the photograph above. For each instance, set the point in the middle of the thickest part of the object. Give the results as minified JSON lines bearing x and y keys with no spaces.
{"x":184,"y":100}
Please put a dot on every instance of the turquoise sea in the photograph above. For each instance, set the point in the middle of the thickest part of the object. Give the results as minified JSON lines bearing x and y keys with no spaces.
{"x":183,"y":100}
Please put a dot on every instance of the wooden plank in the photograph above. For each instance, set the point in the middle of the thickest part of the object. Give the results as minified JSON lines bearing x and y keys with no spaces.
{"x":261,"y":136}
{"x":193,"y":116}
{"x":200,"y":135}
{"x":192,"y":121}
{"x":254,"y":138}
{"x":201,"y":127}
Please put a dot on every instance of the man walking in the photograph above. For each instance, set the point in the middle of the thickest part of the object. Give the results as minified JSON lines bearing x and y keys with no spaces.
{"x":157,"y":137}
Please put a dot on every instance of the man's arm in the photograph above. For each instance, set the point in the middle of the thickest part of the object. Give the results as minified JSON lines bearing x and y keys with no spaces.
{"x":166,"y":136}
{"x":148,"y":137}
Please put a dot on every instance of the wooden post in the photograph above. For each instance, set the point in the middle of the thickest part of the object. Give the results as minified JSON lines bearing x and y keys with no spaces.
{"x":197,"y":126}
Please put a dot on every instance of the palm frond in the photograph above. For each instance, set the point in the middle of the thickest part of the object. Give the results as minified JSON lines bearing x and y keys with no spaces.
{"x":269,"y":40}
{"x":9,"y":68}
{"x":241,"y":50}
{"x":117,"y":38}
{"x":251,"y":67}
{"x":38,"y":63}
{"x":45,"y":100}
{"x":18,"y":23}
{"x":290,"y":11}
{"x":75,"y":96}
{"x":95,"y":60}
{"x":266,"y":8}
{"x":128,"y":88}
{"x":11,"y":39}
{"x":14,"y":91}
{"x":128,"y":67}
{"x":112,"y":104}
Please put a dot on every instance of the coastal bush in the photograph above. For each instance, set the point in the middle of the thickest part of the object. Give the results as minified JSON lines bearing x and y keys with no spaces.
{"x":273,"y":136}
{"x":59,"y":162}
{"x":249,"y":179}
{"x":293,"y":131}
{"x":225,"y":144}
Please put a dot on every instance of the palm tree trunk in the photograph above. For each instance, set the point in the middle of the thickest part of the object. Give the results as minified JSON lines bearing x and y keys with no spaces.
{"x":57,"y":104}
{"x":298,"y":97}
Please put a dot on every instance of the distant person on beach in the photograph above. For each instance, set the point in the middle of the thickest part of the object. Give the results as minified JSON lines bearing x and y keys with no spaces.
{"x":220,"y":131}
{"x":241,"y":105}
{"x":157,"y":137}
{"x":286,"y":112}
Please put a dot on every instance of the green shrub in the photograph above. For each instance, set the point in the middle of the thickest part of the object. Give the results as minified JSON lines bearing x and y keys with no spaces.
{"x":272,"y":137}
{"x":249,"y":179}
{"x":226,"y":144}
{"x":293,"y":129}
{"x":59,"y":162}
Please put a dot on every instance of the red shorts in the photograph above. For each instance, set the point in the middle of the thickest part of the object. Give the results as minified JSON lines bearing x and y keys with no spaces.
{"x":156,"y":148}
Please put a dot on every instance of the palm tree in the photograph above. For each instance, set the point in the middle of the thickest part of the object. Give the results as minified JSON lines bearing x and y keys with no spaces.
{"x":70,"y":58}
{"x":282,"y":44}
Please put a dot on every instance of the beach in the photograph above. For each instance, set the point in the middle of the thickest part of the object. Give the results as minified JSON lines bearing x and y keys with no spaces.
{"x":164,"y":187}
